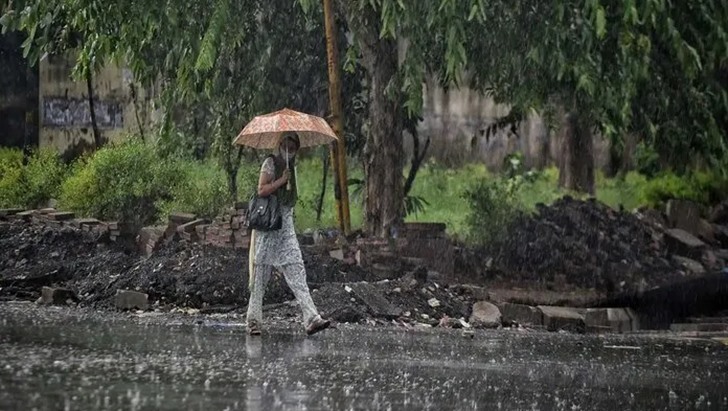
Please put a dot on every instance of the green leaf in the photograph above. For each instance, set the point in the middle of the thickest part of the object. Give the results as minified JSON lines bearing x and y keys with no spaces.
{"x":601,"y":23}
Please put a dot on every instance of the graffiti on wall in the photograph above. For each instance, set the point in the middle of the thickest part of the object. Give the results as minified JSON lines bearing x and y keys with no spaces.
{"x":70,"y":112}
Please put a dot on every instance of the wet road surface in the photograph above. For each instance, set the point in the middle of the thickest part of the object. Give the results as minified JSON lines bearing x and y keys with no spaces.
{"x":74,"y":359}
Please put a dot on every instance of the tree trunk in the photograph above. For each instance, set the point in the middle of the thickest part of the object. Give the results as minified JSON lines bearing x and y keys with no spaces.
{"x":232,"y":167}
{"x":576,"y":166}
{"x":135,"y":102}
{"x":320,"y":205}
{"x":94,"y":124}
{"x":384,"y":151}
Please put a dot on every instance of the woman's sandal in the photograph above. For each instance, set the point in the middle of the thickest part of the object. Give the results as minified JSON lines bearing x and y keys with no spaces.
{"x":319,"y":324}
{"x":253,"y":328}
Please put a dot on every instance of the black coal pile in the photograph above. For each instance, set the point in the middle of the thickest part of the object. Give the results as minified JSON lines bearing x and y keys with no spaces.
{"x":179,"y":274}
{"x":584,"y":244}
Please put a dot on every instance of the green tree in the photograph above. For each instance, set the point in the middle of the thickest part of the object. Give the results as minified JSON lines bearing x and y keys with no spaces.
{"x":648,"y":67}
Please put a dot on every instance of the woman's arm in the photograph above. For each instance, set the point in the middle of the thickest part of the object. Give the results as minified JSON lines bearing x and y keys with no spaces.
{"x":267,"y":184}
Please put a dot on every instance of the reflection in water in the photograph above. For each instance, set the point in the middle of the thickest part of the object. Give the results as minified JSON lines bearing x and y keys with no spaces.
{"x":56,"y":359}
{"x":254,"y":393}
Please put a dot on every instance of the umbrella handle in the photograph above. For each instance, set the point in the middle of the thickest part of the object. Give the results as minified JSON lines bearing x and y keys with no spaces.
{"x":288,"y":167}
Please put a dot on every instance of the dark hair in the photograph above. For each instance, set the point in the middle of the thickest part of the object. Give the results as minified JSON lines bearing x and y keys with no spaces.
{"x":293,"y":137}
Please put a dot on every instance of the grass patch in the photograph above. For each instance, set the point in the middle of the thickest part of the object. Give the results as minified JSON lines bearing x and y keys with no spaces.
{"x":131,"y":181}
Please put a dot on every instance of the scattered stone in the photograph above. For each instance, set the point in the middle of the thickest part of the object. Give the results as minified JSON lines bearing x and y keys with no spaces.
{"x":61,"y":216}
{"x":56,"y":296}
{"x":433,"y":302}
{"x":337,"y":254}
{"x":129,"y":300}
{"x":683,"y":214}
{"x":617,"y":320}
{"x":182,"y":218}
{"x":377,"y":304}
{"x":692,"y":266}
{"x":84,"y":222}
{"x":190,"y":227}
{"x":563,"y":318}
{"x":521,"y":314}
{"x":469,"y":334}
{"x":682,"y":243}
{"x":449,"y":322}
{"x":485,"y":315}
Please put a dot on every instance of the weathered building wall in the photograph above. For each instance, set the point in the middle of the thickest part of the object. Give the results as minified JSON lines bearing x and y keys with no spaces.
{"x":454,"y":117}
{"x":65,"y":118}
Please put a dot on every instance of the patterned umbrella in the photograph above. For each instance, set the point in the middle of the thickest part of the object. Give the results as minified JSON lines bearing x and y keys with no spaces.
{"x":264,"y":131}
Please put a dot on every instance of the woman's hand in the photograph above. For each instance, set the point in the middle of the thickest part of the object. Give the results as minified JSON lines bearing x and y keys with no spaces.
{"x":284,"y":178}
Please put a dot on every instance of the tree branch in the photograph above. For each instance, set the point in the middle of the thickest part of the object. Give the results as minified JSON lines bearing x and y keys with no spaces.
{"x":417,"y":158}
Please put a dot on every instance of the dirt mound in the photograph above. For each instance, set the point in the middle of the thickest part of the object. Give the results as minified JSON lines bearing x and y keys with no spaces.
{"x":34,"y":255}
{"x":179,"y":273}
{"x":585,"y":244}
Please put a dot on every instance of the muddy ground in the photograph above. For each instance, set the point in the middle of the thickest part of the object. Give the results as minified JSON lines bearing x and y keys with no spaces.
{"x":191,"y":275}
{"x":582,"y":252}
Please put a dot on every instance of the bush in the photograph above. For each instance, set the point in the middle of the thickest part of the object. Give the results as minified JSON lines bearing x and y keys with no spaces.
{"x":11,"y":170}
{"x":43,"y":176}
{"x":34,"y":184}
{"x":124,"y":182}
{"x":493,"y":206}
{"x":203,"y":190}
{"x":702,"y":187}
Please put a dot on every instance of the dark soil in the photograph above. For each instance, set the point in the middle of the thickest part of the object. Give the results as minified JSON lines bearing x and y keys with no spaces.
{"x":183,"y":274}
{"x":188,"y":275}
{"x":570,"y":245}
{"x":584,"y":244}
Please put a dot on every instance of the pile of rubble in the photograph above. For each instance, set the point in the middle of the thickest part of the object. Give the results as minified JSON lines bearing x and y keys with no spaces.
{"x":53,"y":257}
{"x":586,"y":244}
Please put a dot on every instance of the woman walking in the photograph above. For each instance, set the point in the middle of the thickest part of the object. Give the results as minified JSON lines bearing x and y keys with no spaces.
{"x":279,"y":250}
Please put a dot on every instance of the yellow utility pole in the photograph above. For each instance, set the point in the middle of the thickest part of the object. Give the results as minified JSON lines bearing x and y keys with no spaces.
{"x":338,"y":151}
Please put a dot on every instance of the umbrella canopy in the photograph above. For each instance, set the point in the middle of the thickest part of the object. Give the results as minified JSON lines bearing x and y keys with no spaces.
{"x":265,"y":131}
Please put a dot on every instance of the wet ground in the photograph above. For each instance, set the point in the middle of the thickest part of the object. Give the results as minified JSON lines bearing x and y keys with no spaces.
{"x":77,"y":359}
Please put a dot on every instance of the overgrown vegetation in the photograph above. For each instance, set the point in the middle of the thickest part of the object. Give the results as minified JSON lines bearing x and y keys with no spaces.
{"x":647,"y":68}
{"x":126,"y":182}
{"x":32,"y":185}
{"x":134,"y":182}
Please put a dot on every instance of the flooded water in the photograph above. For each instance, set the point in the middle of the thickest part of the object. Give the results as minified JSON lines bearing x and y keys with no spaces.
{"x":73,"y":359}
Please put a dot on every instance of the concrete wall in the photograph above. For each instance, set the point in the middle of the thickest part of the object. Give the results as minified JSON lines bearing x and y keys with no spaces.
{"x":456,"y":119}
{"x":65,"y":118}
